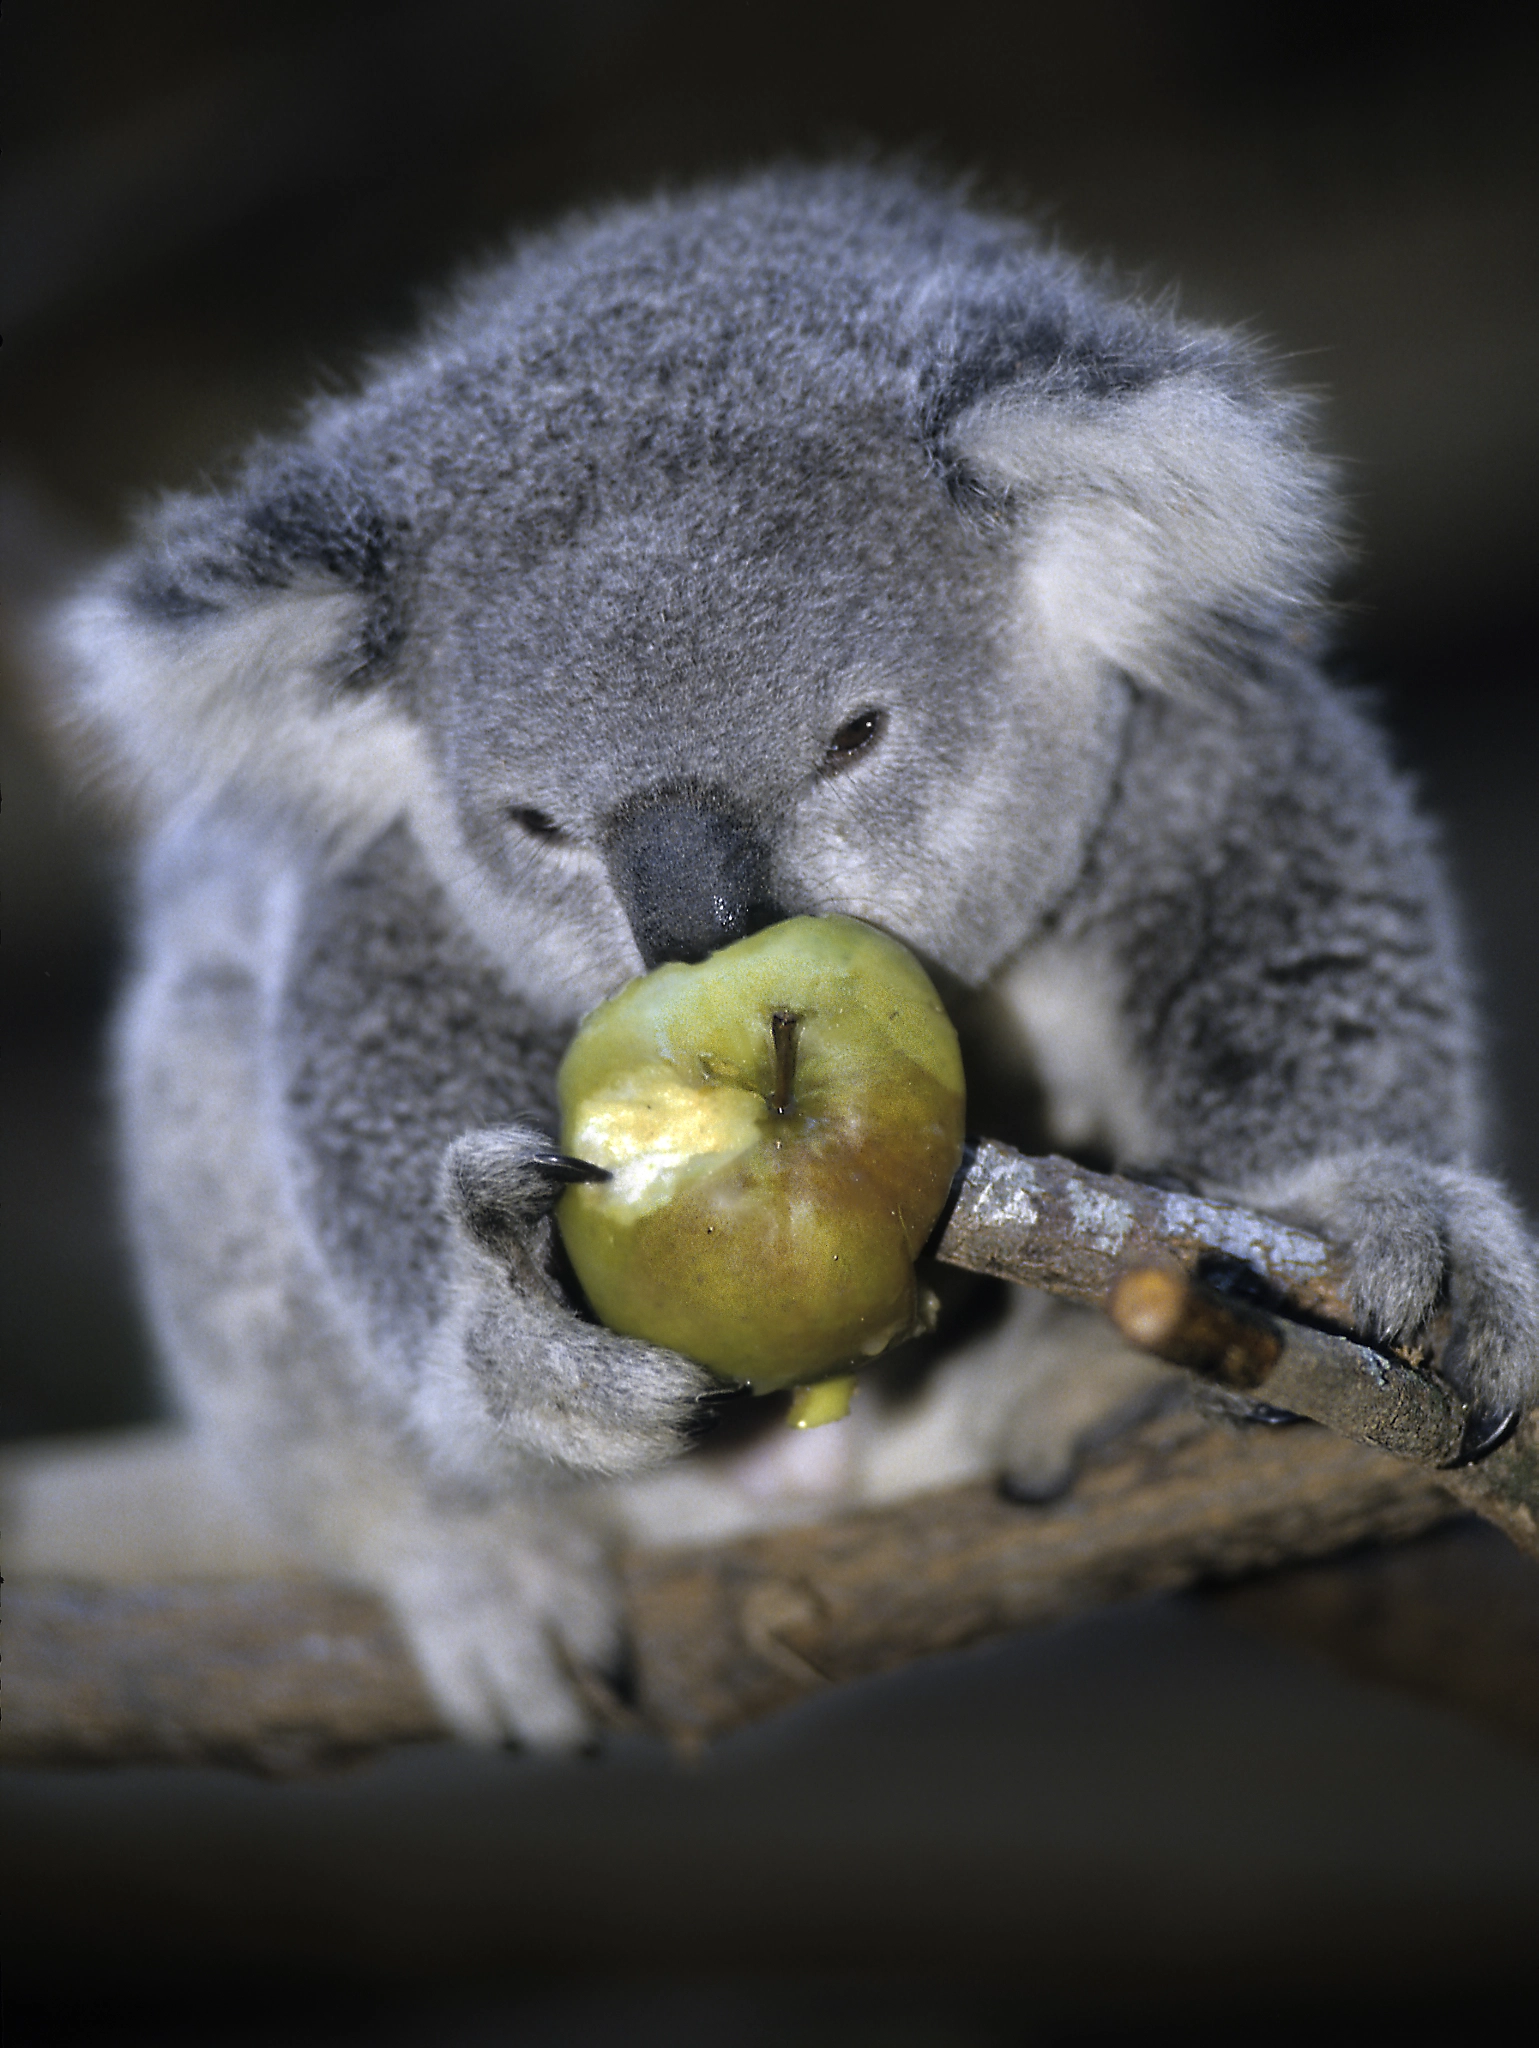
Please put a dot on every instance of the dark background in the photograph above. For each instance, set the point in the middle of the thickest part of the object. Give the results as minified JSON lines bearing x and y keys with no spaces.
{"x":1147,"y":1816}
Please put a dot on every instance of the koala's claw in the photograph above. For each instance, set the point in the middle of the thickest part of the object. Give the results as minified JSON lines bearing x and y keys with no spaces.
{"x":1486,"y":1429}
{"x":502,"y":1183}
{"x":1031,"y":1489}
{"x":709,"y":1406}
{"x":699,"y":1423}
{"x":562,"y":1167}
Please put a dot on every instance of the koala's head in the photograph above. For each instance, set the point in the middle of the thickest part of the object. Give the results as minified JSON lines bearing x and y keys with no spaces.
{"x":791,"y":546}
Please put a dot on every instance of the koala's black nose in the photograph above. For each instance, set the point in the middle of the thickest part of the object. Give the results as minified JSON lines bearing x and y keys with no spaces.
{"x":690,"y":870}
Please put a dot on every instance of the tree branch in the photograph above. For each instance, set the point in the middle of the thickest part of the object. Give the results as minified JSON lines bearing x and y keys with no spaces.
{"x":279,"y":1677}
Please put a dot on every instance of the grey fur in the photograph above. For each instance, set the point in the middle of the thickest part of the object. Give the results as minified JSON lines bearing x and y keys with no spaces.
{"x":557,"y":616}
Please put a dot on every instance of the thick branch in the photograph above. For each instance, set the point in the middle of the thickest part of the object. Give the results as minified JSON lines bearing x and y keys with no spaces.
{"x":279,"y":1676}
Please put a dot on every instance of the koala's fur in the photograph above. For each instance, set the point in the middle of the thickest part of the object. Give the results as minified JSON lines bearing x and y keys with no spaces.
{"x":420,"y":707}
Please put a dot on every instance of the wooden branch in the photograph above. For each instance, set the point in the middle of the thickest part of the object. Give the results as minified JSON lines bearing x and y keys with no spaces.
{"x":279,"y":1676}
{"x":1045,"y":1222}
{"x":283,"y":1676}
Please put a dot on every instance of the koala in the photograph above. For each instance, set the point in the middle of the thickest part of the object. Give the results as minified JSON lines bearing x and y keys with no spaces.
{"x":815,"y":542}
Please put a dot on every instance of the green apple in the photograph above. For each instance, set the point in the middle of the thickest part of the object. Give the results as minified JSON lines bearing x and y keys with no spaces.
{"x":781,"y":1123}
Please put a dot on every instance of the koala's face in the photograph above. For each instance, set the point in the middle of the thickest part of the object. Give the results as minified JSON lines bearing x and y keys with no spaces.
{"x":791,"y":546}
{"x":790,"y":679}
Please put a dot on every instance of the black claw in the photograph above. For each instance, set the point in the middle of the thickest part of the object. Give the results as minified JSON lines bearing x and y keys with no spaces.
{"x":1034,"y":1493}
{"x":1265,"y":1416}
{"x":623,"y":1679}
{"x":709,"y":1406}
{"x":561,"y":1166}
{"x":729,"y":1393}
{"x":1485,"y":1428}
{"x":700,"y":1422}
{"x":953,"y":1193}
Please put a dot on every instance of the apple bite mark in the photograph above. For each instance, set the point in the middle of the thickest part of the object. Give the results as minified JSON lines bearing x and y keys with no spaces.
{"x":782,"y":1122}
{"x":652,"y":1127}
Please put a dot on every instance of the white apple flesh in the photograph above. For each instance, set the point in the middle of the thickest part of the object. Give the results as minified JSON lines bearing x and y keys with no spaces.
{"x":782,"y":1123}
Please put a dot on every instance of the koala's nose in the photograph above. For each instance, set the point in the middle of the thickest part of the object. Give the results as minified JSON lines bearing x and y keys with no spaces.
{"x":690,"y":870}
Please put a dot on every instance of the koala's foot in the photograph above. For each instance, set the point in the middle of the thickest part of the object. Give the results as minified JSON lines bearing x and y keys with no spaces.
{"x":1081,"y":1386}
{"x":1023,"y":1402}
{"x":517,"y":1362}
{"x":1417,"y":1238}
{"x":510,"y":1631}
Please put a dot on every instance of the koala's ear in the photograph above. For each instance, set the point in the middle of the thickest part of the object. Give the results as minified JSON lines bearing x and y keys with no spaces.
{"x":1161,"y":525}
{"x":247,"y":642}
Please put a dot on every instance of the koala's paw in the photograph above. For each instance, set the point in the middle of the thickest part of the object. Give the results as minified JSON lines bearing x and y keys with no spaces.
{"x":500,"y":1186}
{"x":512,"y":1641}
{"x":1418,"y":1238}
{"x":520,"y":1356}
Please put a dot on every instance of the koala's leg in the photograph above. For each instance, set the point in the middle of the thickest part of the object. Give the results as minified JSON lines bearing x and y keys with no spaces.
{"x":510,"y":1607}
{"x":1023,"y":1402}
{"x":418,"y":1100}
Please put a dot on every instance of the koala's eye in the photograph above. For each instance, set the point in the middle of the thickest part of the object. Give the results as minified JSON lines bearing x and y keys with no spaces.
{"x":538,"y":825}
{"x":855,"y":737}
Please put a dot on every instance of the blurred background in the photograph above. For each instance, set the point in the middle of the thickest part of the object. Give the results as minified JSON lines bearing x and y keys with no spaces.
{"x":1149,"y":1816}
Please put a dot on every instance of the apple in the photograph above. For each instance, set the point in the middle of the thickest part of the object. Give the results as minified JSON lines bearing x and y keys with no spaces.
{"x":781,"y":1123}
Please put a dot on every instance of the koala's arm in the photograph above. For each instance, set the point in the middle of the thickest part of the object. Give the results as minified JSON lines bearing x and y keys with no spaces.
{"x":391,"y":1378}
{"x":420,"y":1096}
{"x":1284,"y":962}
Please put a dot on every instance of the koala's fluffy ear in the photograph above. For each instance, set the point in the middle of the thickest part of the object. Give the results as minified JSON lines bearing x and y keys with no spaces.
{"x":1161,"y":525}
{"x":247,"y":642}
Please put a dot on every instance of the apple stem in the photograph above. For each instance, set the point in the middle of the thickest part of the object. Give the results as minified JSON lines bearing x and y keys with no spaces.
{"x":783,"y":1025}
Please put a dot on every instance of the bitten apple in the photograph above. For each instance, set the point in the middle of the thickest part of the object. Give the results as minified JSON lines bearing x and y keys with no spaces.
{"x":782,"y":1123}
